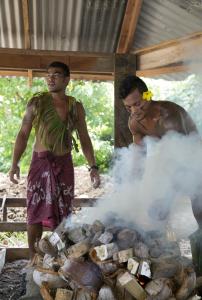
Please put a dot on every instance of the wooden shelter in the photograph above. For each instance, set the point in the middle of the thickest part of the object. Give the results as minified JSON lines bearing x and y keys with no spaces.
{"x":102,"y":40}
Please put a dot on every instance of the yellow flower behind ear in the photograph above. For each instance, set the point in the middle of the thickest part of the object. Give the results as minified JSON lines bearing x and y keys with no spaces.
{"x":147,"y":96}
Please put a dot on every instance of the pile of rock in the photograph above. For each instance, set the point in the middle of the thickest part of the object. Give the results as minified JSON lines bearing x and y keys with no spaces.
{"x":75,"y":263}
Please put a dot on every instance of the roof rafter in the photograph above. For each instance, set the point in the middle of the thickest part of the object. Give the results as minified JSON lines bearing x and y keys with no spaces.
{"x":25,"y":11}
{"x":129,"y":24}
{"x":185,"y":50}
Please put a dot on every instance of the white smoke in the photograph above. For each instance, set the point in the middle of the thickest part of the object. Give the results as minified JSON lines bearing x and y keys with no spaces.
{"x":145,"y":187}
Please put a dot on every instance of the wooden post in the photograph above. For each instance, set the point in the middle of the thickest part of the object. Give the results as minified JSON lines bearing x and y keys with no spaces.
{"x":123,"y":64}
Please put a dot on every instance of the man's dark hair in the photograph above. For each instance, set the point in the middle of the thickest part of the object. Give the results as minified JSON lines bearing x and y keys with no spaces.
{"x":130,"y":83}
{"x":61,"y":65}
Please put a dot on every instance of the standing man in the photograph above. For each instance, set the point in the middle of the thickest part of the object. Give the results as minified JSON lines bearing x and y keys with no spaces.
{"x":50,"y":186}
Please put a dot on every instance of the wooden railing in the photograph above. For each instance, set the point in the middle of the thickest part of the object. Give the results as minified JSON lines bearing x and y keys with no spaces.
{"x":5,"y":226}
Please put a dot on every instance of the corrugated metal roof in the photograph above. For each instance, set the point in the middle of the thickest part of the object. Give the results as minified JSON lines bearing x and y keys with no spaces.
{"x":162,"y":20}
{"x":94,"y":25}
{"x":70,"y":25}
{"x":11,"y":24}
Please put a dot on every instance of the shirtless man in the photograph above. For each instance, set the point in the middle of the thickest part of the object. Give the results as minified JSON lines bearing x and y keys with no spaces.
{"x":50,"y":186}
{"x":155,"y":119}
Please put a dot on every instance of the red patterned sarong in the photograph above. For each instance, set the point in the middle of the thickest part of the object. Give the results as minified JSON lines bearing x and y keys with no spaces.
{"x":50,"y":188}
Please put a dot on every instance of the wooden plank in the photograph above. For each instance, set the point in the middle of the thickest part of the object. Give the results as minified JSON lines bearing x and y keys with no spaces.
{"x":35,"y":62}
{"x":30,"y":77}
{"x":28,"y":52}
{"x":16,"y":227}
{"x":74,"y":76}
{"x":91,"y":64}
{"x":123,"y":64}
{"x":129,"y":25}
{"x":177,"y":51}
{"x":13,"y":226}
{"x":25,"y":12}
{"x":21,"y":202}
{"x":16,"y":253}
{"x":190,"y":68}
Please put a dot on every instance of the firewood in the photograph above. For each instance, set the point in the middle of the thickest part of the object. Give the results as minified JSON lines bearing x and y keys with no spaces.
{"x":56,"y":241}
{"x":141,"y":250}
{"x":83,"y":273}
{"x":45,"y":292}
{"x":126,"y":238}
{"x":144,"y":268}
{"x":64,"y":294}
{"x":133,"y":265}
{"x":46,"y":247}
{"x":41,"y":275}
{"x":123,"y":256}
{"x":132,"y":286}
{"x":79,"y":249}
{"x":106,"y":237}
{"x":104,"y":252}
{"x":106,"y":293}
{"x":160,"y":288}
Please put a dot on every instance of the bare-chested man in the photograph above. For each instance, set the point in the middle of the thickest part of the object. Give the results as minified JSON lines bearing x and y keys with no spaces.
{"x":50,"y":188}
{"x":155,"y":119}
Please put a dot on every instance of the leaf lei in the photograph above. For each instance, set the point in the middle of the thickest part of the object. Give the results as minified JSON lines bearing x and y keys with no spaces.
{"x":52,"y":130}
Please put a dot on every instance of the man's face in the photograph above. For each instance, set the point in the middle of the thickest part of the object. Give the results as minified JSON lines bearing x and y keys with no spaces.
{"x":134,"y":102}
{"x":56,"y":80}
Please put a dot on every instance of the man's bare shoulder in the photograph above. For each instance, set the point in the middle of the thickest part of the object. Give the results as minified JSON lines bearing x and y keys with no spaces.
{"x":36,"y":99}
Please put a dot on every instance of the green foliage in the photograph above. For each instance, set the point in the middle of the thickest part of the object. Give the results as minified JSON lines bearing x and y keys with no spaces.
{"x":97,"y":99}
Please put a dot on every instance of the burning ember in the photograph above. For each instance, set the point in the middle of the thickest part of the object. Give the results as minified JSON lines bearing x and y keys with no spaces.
{"x":76,"y":263}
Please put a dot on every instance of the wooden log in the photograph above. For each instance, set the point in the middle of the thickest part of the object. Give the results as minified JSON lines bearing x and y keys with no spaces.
{"x":144,"y":268}
{"x":106,"y":293}
{"x":63,"y":294}
{"x":132,"y":286}
{"x":124,"y":255}
{"x":133,"y":265}
{"x":79,"y":249}
{"x":56,"y":241}
{"x":160,"y":288}
{"x":103,"y":252}
{"x":41,"y":275}
{"x":83,"y":274}
{"x":46,"y":247}
{"x":45,"y":292}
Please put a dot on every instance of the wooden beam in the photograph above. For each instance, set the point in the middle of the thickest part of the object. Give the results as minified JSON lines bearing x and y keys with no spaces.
{"x":74,"y":76}
{"x":185,"y":50}
{"x":21,"y":202}
{"x":123,"y":64}
{"x":129,"y":25}
{"x":25,"y":12}
{"x":36,"y":60}
{"x":30,"y":77}
{"x":190,"y":68}
{"x":16,"y":253}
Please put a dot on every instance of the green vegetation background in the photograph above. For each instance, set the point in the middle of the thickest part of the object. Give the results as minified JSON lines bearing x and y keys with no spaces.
{"x":97,"y":98}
